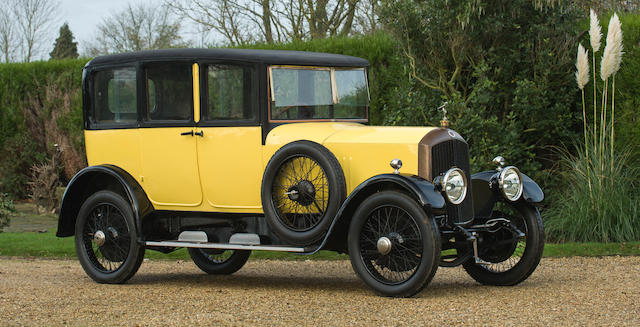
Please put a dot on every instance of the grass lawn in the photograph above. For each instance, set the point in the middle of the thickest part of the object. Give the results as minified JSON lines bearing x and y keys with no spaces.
{"x":30,"y":244}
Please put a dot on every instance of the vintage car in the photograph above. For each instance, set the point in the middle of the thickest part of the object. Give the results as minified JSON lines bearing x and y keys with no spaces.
{"x":227,"y":151}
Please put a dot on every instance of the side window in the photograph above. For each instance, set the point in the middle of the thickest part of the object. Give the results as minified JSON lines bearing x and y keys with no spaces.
{"x":114,"y":96}
{"x":229,"y":90}
{"x":169,"y":92}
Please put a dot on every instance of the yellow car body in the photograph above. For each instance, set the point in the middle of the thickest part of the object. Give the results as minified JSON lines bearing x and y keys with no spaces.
{"x":199,"y":165}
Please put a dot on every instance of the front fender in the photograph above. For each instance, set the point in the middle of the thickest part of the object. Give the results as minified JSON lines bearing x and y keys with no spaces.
{"x":95,"y":178}
{"x":423,"y":191}
{"x":484,"y":197}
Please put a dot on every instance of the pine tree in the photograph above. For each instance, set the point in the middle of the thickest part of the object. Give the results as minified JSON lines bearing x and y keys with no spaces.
{"x":64,"y":47}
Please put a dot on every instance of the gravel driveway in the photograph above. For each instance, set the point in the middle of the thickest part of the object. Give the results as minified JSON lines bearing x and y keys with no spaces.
{"x":566,"y":291}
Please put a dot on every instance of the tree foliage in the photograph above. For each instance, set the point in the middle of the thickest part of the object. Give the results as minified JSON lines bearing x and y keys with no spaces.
{"x":501,"y":65}
{"x":137,"y":27}
{"x":64,"y":47}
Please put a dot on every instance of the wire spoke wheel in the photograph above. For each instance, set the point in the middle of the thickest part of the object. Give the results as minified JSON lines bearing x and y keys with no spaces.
{"x":504,"y":250}
{"x":106,"y":242}
{"x":394,"y":246}
{"x":106,"y":238}
{"x":510,"y":259}
{"x":303,"y":187}
{"x":219,"y":256}
{"x":396,"y":225}
{"x":218,"y":261}
{"x":301,"y":193}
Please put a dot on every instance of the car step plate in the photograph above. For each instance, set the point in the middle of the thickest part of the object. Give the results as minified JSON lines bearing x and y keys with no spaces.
{"x":224,"y":246}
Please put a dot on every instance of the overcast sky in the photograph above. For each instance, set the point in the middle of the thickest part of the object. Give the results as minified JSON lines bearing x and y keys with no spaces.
{"x":84,"y":15}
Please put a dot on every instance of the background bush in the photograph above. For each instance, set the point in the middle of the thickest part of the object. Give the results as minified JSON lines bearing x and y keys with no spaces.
{"x":40,"y":106}
{"x":6,"y":207}
{"x":504,"y":66}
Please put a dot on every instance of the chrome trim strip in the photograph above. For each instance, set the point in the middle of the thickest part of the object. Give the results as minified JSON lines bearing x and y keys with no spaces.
{"x":224,"y":246}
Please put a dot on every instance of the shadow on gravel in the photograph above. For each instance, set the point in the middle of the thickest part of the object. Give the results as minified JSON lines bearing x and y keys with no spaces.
{"x":271,"y":282}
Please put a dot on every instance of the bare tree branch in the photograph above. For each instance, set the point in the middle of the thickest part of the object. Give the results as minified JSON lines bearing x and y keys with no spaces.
{"x":8,"y":34}
{"x":138,"y":27}
{"x":34,"y":18}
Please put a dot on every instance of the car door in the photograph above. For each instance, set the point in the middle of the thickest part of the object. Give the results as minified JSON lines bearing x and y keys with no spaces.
{"x":229,"y":148}
{"x":169,"y":155}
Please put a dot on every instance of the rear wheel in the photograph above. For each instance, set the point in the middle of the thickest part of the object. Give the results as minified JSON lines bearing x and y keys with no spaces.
{"x":511,"y":259}
{"x":219,"y":262}
{"x":106,"y":239}
{"x":394,"y":245}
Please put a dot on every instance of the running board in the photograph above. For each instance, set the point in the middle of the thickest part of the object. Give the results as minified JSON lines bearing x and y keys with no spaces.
{"x":224,"y":246}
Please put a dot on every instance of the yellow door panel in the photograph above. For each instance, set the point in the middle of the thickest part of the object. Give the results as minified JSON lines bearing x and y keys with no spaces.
{"x":230,"y":160}
{"x":170,"y":167}
{"x":118,"y":147}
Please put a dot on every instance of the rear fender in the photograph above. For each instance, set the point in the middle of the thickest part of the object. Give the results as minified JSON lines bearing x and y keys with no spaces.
{"x":97,"y":178}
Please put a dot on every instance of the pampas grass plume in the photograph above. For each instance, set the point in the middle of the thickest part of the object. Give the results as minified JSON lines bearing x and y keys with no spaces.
{"x":594,"y":32}
{"x":582,"y":67}
{"x":612,"y":56}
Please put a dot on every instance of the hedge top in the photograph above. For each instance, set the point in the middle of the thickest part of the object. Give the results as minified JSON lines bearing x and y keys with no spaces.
{"x":247,"y":55}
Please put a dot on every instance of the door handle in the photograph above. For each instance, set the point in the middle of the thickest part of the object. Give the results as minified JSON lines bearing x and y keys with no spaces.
{"x":187,"y":133}
{"x":201,"y":133}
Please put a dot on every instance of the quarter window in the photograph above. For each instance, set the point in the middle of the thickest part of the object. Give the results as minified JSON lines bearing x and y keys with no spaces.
{"x":114,"y":96}
{"x":169,"y":92}
{"x":229,"y":90}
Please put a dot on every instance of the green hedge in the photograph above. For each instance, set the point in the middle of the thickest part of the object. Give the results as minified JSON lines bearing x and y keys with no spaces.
{"x":32,"y":96}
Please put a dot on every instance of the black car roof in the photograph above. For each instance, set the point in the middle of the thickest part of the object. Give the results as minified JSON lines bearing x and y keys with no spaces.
{"x":275,"y":57}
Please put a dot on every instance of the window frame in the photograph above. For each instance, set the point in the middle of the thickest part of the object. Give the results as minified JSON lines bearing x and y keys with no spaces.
{"x":204,"y":95}
{"x":334,"y":93}
{"x":143,"y":94}
{"x":91,"y":122}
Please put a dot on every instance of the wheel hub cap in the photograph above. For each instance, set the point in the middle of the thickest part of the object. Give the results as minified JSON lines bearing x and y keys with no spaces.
{"x":99,"y":238}
{"x":304,"y":193}
{"x":384,"y":245}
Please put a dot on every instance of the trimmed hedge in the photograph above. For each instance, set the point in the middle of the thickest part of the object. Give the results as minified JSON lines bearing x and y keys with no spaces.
{"x":40,"y":105}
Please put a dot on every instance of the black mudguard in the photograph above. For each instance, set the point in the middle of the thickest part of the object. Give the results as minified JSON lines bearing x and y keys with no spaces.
{"x":96,"y":178}
{"x":484,"y":197}
{"x":423,"y":191}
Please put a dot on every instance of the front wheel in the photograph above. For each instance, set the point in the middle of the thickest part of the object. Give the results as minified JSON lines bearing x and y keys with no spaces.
{"x":106,"y":239}
{"x":219,"y":262}
{"x":510,"y":259}
{"x":394,"y":245}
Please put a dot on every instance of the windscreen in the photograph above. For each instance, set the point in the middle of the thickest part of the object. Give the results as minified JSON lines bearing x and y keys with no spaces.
{"x":318,"y":93}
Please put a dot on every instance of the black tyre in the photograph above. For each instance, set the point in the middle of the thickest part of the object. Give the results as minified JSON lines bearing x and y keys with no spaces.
{"x":394,"y":245}
{"x":512,"y":259}
{"x":302,"y":189}
{"x":219,"y":262}
{"x":106,"y":239}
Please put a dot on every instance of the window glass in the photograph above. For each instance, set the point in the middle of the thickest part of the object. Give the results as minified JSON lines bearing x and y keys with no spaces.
{"x":169,"y":92}
{"x":229,"y":93}
{"x":114,"y":96}
{"x":353,"y":94}
{"x":307,"y":93}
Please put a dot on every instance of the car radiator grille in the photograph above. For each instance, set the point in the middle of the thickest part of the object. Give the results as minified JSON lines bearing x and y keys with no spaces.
{"x":448,"y":154}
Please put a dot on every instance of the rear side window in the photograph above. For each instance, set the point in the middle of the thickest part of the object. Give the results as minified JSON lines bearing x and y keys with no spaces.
{"x":169,"y":92}
{"x":229,"y":93}
{"x":114,"y":96}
